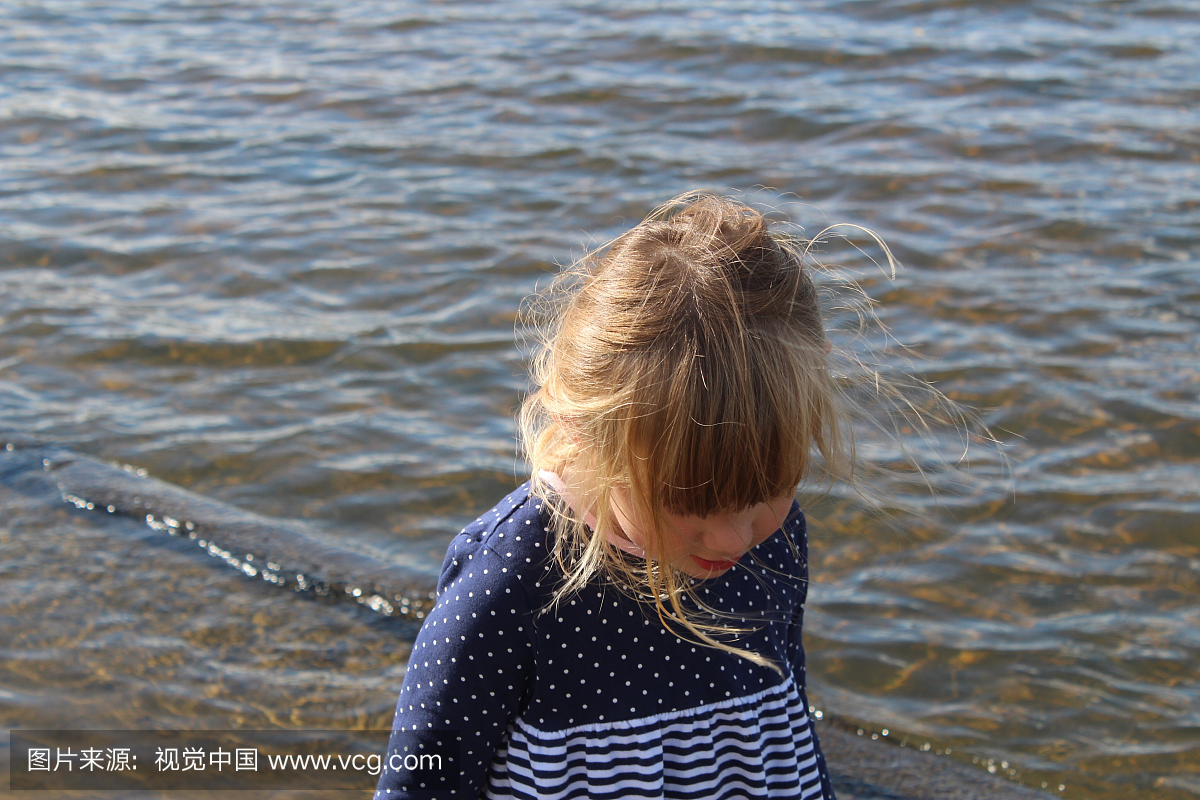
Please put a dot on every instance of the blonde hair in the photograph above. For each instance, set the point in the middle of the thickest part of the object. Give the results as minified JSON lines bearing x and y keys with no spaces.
{"x":685,"y":363}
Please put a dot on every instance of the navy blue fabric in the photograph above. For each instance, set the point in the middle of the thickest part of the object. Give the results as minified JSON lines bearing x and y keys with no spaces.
{"x":494,"y":659}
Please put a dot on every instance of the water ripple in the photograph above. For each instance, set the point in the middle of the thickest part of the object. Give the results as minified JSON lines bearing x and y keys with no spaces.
{"x":274,"y":252}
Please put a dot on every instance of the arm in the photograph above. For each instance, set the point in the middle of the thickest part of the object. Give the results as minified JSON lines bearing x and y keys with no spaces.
{"x":468,"y":677}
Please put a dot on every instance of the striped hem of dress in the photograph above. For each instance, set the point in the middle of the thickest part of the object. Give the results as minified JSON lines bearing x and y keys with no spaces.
{"x":759,"y":745}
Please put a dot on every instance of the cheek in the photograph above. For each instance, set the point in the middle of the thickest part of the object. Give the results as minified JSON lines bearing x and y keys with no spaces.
{"x":680,"y":535}
{"x":771,"y":518}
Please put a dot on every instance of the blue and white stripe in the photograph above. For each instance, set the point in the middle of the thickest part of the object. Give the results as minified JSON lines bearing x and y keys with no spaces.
{"x":755,"y":746}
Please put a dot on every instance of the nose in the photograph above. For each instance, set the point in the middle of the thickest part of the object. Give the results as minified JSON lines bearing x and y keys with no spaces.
{"x":727,"y":537}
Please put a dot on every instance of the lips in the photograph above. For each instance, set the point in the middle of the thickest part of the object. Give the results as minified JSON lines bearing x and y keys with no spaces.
{"x":713,"y":566}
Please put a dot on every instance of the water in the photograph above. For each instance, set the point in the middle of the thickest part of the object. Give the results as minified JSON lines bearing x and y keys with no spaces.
{"x":273,"y":252}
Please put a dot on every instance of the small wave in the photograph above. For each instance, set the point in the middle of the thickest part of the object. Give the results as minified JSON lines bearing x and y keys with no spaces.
{"x":272,"y":550}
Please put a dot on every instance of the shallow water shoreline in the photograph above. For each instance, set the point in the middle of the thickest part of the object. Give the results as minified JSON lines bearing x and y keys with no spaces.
{"x":862,"y":769}
{"x":274,"y":252}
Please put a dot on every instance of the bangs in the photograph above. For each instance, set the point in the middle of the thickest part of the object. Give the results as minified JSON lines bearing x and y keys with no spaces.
{"x":728,"y":428}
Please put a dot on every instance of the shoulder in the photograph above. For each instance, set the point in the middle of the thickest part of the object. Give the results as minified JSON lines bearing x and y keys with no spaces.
{"x":782,"y":560}
{"x":789,"y":544}
{"x":504,"y":546}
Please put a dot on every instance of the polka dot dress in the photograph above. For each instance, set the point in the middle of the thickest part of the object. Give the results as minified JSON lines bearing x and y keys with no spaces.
{"x":594,"y":697}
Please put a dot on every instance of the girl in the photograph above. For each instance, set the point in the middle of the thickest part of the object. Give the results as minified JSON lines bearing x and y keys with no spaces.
{"x":627,"y":623}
